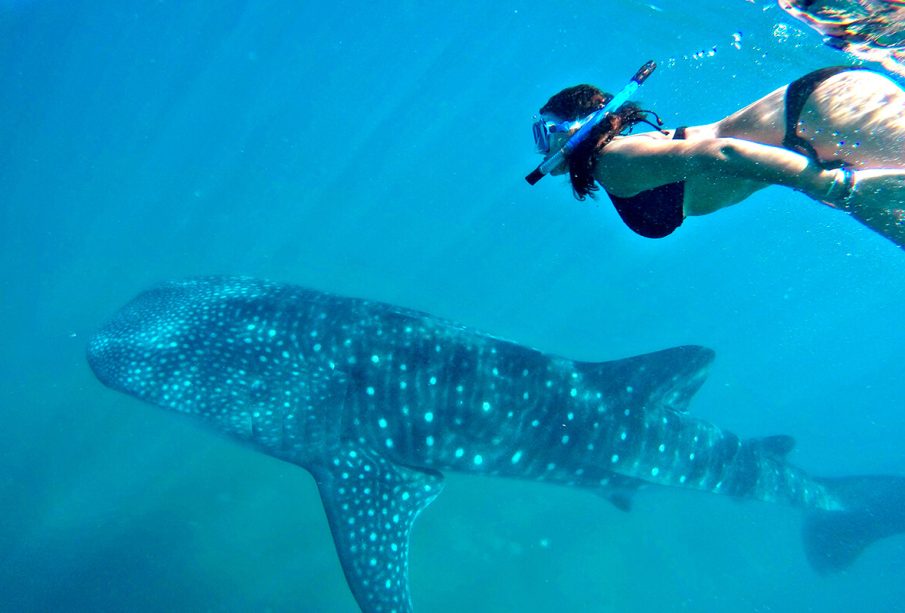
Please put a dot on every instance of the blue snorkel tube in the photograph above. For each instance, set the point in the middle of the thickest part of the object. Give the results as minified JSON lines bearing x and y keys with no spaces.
{"x":618,"y":100}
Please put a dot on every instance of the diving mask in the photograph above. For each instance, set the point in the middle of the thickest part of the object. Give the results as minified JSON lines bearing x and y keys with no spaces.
{"x":544,"y":130}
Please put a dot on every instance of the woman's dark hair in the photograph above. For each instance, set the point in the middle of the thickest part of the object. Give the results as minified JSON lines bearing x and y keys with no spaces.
{"x":580,"y":101}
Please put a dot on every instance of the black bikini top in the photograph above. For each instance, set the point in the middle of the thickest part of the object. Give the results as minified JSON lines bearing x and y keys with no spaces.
{"x":655,"y":212}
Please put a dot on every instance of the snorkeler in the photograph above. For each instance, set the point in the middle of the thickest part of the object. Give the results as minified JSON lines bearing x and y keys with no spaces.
{"x":836,"y":135}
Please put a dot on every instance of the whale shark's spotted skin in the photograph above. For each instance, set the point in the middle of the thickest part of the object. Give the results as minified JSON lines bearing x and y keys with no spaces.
{"x":376,"y":400}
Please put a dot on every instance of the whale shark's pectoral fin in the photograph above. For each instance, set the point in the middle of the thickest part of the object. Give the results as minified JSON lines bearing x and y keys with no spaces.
{"x":371,"y":504}
{"x":619,"y":490}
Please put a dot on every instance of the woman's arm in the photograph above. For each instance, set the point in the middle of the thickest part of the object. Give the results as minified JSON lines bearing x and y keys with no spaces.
{"x":632,"y":165}
{"x":874,"y":193}
{"x":874,"y":196}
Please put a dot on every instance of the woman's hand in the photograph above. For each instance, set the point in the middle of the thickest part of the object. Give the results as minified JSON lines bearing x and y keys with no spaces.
{"x":876,"y":198}
{"x":880,"y":191}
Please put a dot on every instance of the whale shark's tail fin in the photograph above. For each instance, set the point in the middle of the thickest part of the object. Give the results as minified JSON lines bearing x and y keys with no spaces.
{"x":873,"y":507}
{"x":662,"y":379}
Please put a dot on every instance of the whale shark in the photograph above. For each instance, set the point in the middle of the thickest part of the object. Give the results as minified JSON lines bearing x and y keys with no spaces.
{"x":378,"y":401}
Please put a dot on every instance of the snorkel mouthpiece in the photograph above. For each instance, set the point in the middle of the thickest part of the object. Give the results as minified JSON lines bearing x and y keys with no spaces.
{"x":582,"y":134}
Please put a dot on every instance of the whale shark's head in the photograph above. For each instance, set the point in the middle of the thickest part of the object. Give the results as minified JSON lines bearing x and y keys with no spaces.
{"x":211,"y":347}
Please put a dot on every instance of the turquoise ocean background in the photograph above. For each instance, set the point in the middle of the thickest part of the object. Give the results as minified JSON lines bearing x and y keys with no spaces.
{"x":378,"y":150}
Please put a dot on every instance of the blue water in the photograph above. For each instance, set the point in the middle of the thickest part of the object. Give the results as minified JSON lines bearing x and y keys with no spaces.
{"x":379,"y":150}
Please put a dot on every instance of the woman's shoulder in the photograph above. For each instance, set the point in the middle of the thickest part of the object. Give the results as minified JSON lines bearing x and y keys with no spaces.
{"x":646,"y":144}
{"x":636,"y":143}
{"x":638,"y":162}
{"x":641,"y":137}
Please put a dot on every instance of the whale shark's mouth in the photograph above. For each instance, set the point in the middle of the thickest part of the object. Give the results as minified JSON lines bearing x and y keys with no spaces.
{"x":143,"y":332}
{"x":188,"y":345}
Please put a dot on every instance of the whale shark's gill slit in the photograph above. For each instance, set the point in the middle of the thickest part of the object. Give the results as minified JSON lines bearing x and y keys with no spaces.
{"x":371,"y":505}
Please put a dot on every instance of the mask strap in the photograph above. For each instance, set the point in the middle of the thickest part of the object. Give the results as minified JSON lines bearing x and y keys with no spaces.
{"x":659,"y":125}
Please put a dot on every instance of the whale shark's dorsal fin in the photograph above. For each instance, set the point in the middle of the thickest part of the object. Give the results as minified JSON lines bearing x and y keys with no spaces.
{"x":777,"y":446}
{"x":663,"y":379}
{"x":371,"y":504}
